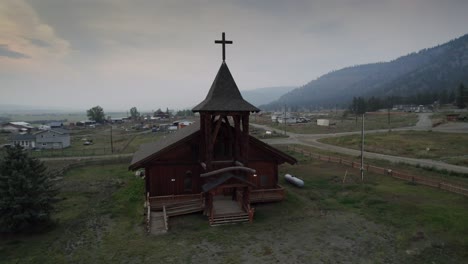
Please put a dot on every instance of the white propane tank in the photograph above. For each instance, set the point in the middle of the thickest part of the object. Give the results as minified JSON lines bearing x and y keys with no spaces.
{"x":293,"y":180}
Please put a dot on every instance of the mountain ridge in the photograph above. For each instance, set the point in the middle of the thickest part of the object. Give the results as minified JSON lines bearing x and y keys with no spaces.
{"x":265,"y":95}
{"x":442,"y":67}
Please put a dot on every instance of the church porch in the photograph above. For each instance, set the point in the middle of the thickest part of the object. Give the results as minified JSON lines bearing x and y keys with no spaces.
{"x":225,"y":210}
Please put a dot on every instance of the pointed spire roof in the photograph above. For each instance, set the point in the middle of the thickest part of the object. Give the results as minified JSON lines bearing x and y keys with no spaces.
{"x":224,"y":95}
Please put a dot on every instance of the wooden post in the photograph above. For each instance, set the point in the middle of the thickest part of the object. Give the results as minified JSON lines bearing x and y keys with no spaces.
{"x":237,"y":138}
{"x":245,"y":138}
{"x":362,"y":149}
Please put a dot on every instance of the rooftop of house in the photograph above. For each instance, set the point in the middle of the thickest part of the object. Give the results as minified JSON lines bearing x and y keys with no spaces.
{"x":25,"y":136}
{"x":19,"y":123}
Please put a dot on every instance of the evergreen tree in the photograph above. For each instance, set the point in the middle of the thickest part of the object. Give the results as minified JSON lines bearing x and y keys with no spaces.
{"x":451,"y":98}
{"x":461,"y":97}
{"x":27,"y":193}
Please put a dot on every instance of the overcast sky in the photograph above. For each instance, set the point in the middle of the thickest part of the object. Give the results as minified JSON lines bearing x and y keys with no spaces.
{"x":156,"y":54}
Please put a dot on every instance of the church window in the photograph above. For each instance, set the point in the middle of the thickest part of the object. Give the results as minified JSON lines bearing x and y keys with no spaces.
{"x":188,"y":181}
{"x":264,"y":181}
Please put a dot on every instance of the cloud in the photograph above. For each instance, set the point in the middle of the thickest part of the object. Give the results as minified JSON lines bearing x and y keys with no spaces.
{"x":38,"y":42}
{"x":6,"y":52}
{"x":23,"y":32}
{"x":144,"y":53}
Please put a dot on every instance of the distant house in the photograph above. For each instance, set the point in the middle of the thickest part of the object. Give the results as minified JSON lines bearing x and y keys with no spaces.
{"x":47,"y":139}
{"x":118,"y":120}
{"x":181,"y":124}
{"x":16,"y":127}
{"x":86,"y":123}
{"x":44,"y":127}
{"x":286,"y":119}
{"x":405,"y":108}
{"x":56,"y":125}
{"x":452,"y":117}
{"x":323,"y":122}
{"x":53,"y":139}
{"x":27,"y":141}
{"x":274,"y":118}
{"x":161,"y":114}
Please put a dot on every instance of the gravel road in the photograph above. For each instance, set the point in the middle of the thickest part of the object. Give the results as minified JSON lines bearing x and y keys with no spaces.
{"x":424,"y":123}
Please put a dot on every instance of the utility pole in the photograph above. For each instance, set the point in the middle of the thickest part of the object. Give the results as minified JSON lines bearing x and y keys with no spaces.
{"x":388,"y":118}
{"x":362,"y":149}
{"x":111,"y":141}
{"x":284,"y":120}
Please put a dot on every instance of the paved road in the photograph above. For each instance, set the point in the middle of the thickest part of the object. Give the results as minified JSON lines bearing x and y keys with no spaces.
{"x":424,"y":123}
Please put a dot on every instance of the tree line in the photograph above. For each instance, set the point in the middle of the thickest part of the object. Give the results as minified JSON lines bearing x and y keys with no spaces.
{"x":98,"y":115}
{"x":458,"y":97}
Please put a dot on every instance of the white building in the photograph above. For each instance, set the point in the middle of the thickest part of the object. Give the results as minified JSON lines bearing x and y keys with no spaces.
{"x":323,"y":122}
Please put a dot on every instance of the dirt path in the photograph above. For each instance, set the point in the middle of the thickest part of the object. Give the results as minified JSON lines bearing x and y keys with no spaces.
{"x":311,"y":140}
{"x":424,"y":121}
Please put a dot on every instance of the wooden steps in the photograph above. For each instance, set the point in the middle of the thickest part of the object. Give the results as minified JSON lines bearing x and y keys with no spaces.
{"x":158,"y":223}
{"x":226,"y":219}
{"x":226,"y":211}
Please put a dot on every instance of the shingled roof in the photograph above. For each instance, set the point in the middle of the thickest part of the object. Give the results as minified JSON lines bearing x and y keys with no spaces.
{"x":224,"y":95}
{"x":150,"y":151}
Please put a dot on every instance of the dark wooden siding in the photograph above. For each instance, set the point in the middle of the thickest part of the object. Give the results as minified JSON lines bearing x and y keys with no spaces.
{"x":175,"y":163}
{"x":267,"y":171}
{"x":170,"y":179}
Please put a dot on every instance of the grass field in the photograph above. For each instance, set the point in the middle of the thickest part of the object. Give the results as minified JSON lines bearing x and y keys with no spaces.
{"x":431,"y":173}
{"x":372,"y":121}
{"x":71,"y":117}
{"x":448,"y":147}
{"x":122,"y":141}
{"x":100,"y":220}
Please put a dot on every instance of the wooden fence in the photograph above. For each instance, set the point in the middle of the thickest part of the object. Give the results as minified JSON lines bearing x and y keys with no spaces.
{"x":67,"y":152}
{"x":385,"y":171}
{"x":82,"y":163}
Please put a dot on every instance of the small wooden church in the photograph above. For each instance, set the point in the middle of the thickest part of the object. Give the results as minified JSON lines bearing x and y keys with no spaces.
{"x":213,"y":166}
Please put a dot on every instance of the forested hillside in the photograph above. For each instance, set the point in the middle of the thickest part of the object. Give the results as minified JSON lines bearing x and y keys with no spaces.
{"x":420,"y":78}
{"x":265,"y":95}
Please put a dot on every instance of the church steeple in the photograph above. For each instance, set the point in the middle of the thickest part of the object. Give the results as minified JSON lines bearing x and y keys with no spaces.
{"x":222,"y":106}
{"x":224,"y":95}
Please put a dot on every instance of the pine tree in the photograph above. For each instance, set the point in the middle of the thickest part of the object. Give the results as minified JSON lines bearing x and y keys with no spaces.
{"x":461,"y":97}
{"x":27,"y":194}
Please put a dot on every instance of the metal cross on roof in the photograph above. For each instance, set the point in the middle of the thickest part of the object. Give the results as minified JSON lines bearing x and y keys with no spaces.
{"x":224,"y":42}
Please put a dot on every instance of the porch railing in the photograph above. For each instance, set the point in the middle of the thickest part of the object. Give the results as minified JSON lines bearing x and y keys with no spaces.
{"x":166,"y":227}
{"x":157,"y":202}
{"x":267,"y":195}
{"x":148,"y":214}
